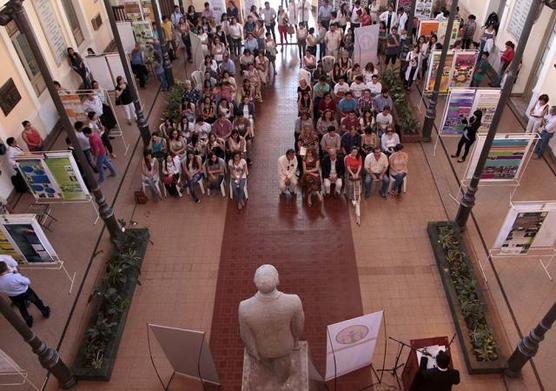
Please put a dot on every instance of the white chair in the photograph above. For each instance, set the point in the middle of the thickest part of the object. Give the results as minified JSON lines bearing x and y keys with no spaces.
{"x":201,"y":186}
{"x":162,"y":193}
{"x":244,"y":190}
{"x":305,"y":74}
{"x":391,"y":184}
{"x":222,"y":188}
{"x":328,"y":63}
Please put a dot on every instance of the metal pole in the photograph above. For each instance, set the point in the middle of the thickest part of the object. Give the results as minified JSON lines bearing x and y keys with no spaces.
{"x":182,"y":7}
{"x":141,"y":121}
{"x":468,"y":200}
{"x":166,"y":58}
{"x":15,"y":9}
{"x":528,"y":346}
{"x":410,"y":20}
{"x":431,"y":109}
{"x":48,"y":357}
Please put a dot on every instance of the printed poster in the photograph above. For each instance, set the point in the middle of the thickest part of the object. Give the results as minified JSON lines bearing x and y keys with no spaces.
{"x":459,"y":106}
{"x":428,"y":27}
{"x":441,"y":34}
{"x":74,"y":107}
{"x":65,"y":171}
{"x":423,"y":9}
{"x":486,"y":101}
{"x":142,"y":31}
{"x":405,"y":4}
{"x":41,"y":184}
{"x":523,"y":232}
{"x":445,"y":80}
{"x":463,"y":68}
{"x":505,"y":158}
{"x":6,"y":248}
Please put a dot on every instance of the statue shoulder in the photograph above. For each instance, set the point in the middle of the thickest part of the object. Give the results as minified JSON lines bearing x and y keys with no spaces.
{"x":244,"y":304}
{"x":293,"y":299}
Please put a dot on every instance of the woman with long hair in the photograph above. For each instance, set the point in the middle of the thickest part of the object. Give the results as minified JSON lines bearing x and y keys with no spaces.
{"x":469,"y":135}
{"x":150,"y":175}
{"x":192,"y":170}
{"x":311,"y":176}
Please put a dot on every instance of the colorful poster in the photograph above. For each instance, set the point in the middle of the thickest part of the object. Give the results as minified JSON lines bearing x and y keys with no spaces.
{"x":428,"y":27}
{"x":64,"y":169}
{"x":423,"y":9}
{"x":142,"y":31}
{"x":405,"y":4}
{"x":463,"y":68}
{"x":486,"y":101}
{"x":132,"y":10}
{"x":459,"y":105}
{"x":366,"y":44}
{"x":41,"y":184}
{"x":27,"y":237}
{"x":74,"y":107}
{"x":6,"y":248}
{"x":523,"y":232}
{"x":505,"y":158}
{"x":433,"y":66}
{"x":441,"y":34}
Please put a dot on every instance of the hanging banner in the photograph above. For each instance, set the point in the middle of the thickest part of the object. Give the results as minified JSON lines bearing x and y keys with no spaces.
{"x":486,"y":101}
{"x":428,"y":27}
{"x":423,"y":9}
{"x":463,"y":68}
{"x":459,"y":106}
{"x":506,"y":158}
{"x":27,"y":237}
{"x":53,"y":176}
{"x":350,"y":344}
{"x":528,"y":225}
{"x":366,"y":45}
{"x":433,"y":66}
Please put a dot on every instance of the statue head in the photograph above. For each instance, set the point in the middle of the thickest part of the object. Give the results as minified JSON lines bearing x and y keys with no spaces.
{"x":266,"y":279}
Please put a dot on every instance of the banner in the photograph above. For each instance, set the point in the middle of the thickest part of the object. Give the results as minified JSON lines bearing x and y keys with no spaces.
{"x":486,"y":101}
{"x":433,"y":66}
{"x":350,"y":344}
{"x":463,"y":68}
{"x":459,"y":106}
{"x":27,"y":237}
{"x":366,"y":45}
{"x":506,"y":157}
{"x":423,"y":9}
{"x":527,"y":225}
{"x":53,"y":176}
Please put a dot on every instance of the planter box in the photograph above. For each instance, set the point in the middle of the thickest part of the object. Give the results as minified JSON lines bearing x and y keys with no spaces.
{"x":109,"y":358}
{"x":410,"y":138}
{"x":473,"y":365}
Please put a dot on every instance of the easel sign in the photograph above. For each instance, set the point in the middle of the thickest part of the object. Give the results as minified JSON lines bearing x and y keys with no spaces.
{"x":22,"y":233}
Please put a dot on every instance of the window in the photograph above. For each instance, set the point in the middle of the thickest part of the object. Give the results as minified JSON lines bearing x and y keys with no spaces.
{"x":26,"y":57}
{"x":73,"y":21}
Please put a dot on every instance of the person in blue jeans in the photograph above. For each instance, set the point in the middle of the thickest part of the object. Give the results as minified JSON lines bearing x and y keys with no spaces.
{"x":238,"y":178}
{"x":99,"y":152}
{"x":546,"y":132}
{"x":376,"y":167}
{"x":192,"y":170}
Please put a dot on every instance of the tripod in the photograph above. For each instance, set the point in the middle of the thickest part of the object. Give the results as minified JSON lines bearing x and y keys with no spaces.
{"x":397,"y":365}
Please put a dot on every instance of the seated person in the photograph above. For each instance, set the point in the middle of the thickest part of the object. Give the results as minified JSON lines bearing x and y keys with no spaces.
{"x":374,"y":86}
{"x":382,"y":100}
{"x":350,"y":140}
{"x":357,"y":87}
{"x":238,"y":169}
{"x":222,"y":127}
{"x":383,"y":120}
{"x":215,"y":170}
{"x":349,"y":122}
{"x":354,"y":165}
{"x":325,"y":121}
{"x":376,"y":167}
{"x":236,"y":143}
{"x":309,"y":61}
{"x":331,"y":140}
{"x":347,"y":104}
{"x":341,"y":88}
{"x":311,"y":176}
{"x":192,"y":173}
{"x":246,"y":108}
{"x":308,"y":139}
{"x":333,"y":171}
{"x":398,"y":168}
{"x":327,"y":103}
{"x":389,"y":140}
{"x":365,"y":103}
{"x":302,"y":122}
{"x":287,"y":172}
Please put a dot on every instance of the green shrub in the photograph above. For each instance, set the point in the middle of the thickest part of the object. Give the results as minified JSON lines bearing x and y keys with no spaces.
{"x":406,"y":120}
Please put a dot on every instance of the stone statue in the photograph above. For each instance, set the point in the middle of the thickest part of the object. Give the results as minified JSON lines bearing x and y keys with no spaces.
{"x":271,"y":323}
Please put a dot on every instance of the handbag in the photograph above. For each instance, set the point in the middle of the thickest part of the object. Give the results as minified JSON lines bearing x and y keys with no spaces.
{"x":141,"y":197}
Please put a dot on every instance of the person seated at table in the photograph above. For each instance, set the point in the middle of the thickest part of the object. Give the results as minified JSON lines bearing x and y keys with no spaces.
{"x":376,"y":167}
{"x":287,"y":172}
{"x":384,"y":119}
{"x":215,"y":170}
{"x":347,"y":104}
{"x":389,"y":140}
{"x":311,"y":176}
{"x":192,"y":173}
{"x":350,"y":140}
{"x":398,"y":168}
{"x":331,"y":140}
{"x":238,"y":178}
{"x":333,"y":170}
{"x":349,"y":122}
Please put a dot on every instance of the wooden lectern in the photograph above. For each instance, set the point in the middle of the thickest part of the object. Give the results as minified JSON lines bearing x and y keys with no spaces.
{"x":411,"y":368}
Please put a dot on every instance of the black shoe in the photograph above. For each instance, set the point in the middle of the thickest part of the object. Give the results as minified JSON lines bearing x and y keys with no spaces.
{"x":454,"y":156}
{"x":29,"y":321}
{"x":46,"y":312}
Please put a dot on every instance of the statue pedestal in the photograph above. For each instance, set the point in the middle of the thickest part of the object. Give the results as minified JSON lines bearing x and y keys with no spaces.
{"x":257,"y":377}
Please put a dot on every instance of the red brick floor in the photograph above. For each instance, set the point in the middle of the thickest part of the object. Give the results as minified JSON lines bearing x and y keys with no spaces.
{"x":312,"y":248}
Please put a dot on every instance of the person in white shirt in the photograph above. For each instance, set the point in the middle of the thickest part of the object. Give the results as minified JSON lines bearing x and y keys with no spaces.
{"x":442,"y":15}
{"x":325,"y":14}
{"x":176,"y":17}
{"x":537,"y":113}
{"x":402,"y":19}
{"x":547,"y":129}
{"x":389,"y":18}
{"x":332,"y":40}
{"x":355,"y":12}
{"x":357,"y":87}
{"x":376,"y":166}
{"x":18,"y":288}
{"x":341,"y":88}
{"x":93,"y":102}
{"x":269,"y":17}
{"x":374,"y":86}
{"x":384,"y":119}
{"x":12,"y":152}
{"x":287,"y":172}
{"x":303,"y":11}
{"x":389,"y":140}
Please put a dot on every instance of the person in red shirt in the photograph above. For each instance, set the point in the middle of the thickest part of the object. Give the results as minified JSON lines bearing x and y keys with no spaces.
{"x":99,"y":152}
{"x":32,"y":137}
{"x":326,"y":104}
{"x":350,"y":122}
{"x":507,"y":56}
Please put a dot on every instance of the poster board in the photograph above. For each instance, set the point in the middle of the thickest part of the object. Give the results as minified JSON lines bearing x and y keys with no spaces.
{"x":506,"y":158}
{"x":486,"y":100}
{"x":428,"y":27}
{"x":405,"y":4}
{"x":73,"y":106}
{"x":441,"y":32}
{"x":463,"y":68}
{"x":133,"y":10}
{"x":458,"y":70}
{"x":350,"y":344}
{"x":142,"y":31}
{"x":27,"y":237}
{"x":433,"y":66}
{"x":101,"y":72}
{"x":187,"y":351}
{"x":423,"y":9}
{"x":366,"y":45}
{"x":116,"y":67}
{"x":218,"y":8}
{"x":458,"y":106}
{"x":197,"y":51}
{"x":53,"y":177}
{"x":528,"y":225}
{"x":125,"y":29}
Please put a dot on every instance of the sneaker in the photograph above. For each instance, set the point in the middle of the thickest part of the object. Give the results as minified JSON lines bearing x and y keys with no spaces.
{"x":46,"y":312}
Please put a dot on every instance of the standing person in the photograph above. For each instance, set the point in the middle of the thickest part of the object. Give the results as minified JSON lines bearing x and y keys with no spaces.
{"x":232,"y":10}
{"x":506,"y":58}
{"x":469,"y":135}
{"x":84,"y":144}
{"x":303,"y":11}
{"x":537,"y":114}
{"x":18,"y":288}
{"x":78,"y":65}
{"x":392,"y":49}
{"x":301,"y":40}
{"x":320,"y":40}
{"x":32,"y":137}
{"x":271,"y":51}
{"x":98,"y":127}
{"x":332,"y":40}
{"x":469,"y":29}
{"x":235,"y":34}
{"x":124,"y":99}
{"x":138,"y":64}
{"x":168,"y":37}
{"x":487,"y":38}
{"x":376,"y":166}
{"x":238,"y":178}
{"x":402,"y":19}
{"x":287,"y":172}
{"x":413,"y":64}
{"x":12,"y":152}
{"x":99,"y":152}
{"x":440,"y":377}
{"x":184,"y":30}
{"x":355,"y":14}
{"x":389,"y":18}
{"x":325,"y":14}
{"x":546,"y":132}
{"x":283,"y":23}
{"x":481,"y":70}
{"x":269,"y":16}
